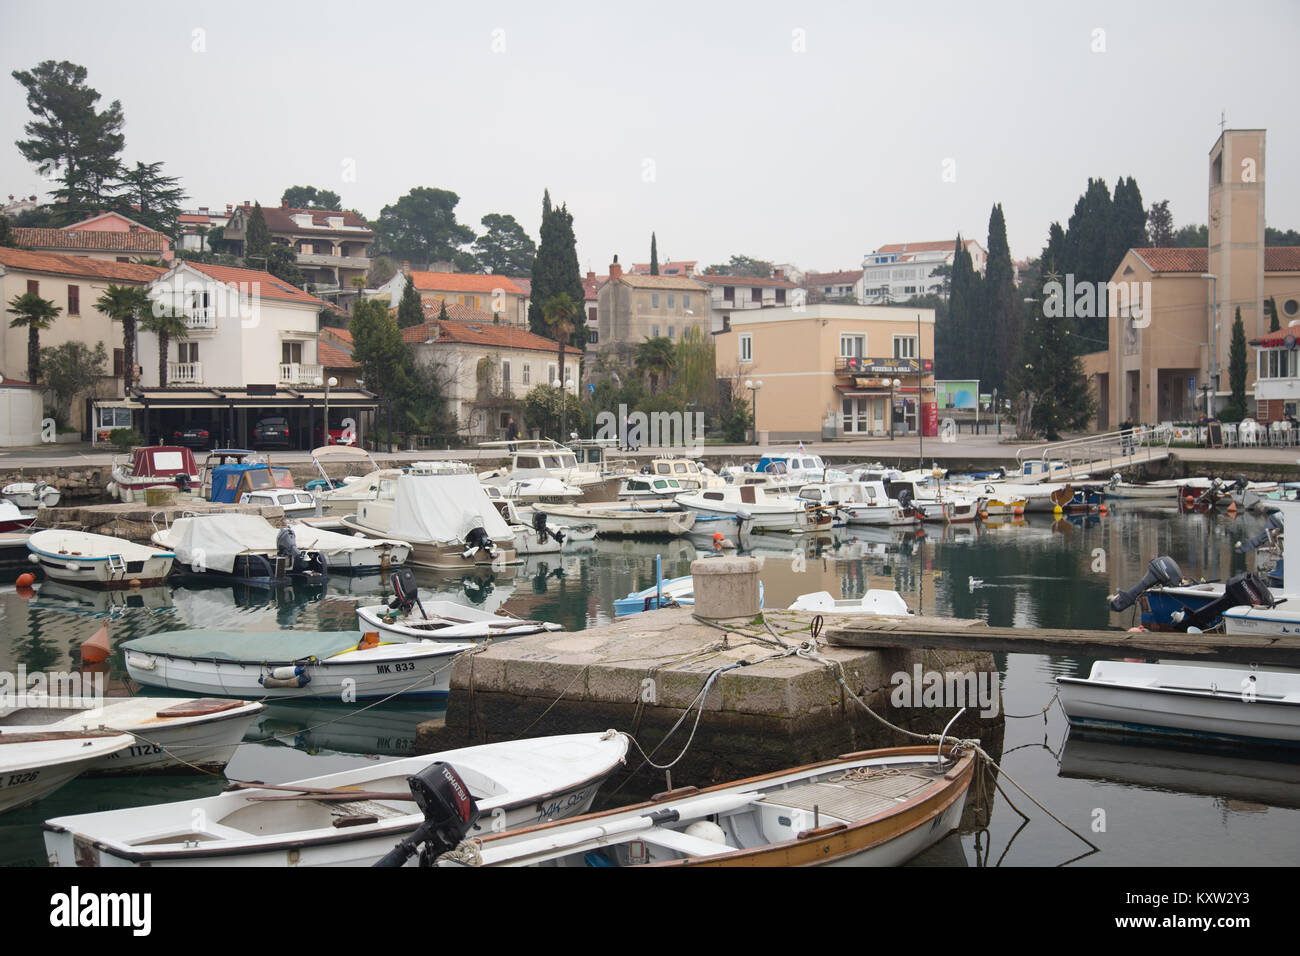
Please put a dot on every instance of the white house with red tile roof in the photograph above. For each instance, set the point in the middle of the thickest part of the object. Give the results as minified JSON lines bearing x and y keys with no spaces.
{"x":843,"y":285}
{"x":496,"y":295}
{"x":488,"y":369}
{"x":111,"y":244}
{"x":900,"y":270}
{"x":196,"y":224}
{"x":73,"y":284}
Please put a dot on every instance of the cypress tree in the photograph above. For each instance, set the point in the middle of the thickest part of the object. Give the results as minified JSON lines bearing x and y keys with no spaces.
{"x":1237,"y":371}
{"x":257,"y":238}
{"x":555,"y":270}
{"x":410,"y":310}
{"x":1001,"y":304}
{"x":964,"y":307}
{"x":654,"y":256}
{"x":1270,"y":309}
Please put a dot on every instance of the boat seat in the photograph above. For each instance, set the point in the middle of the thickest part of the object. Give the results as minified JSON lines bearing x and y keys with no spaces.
{"x":683,"y":842}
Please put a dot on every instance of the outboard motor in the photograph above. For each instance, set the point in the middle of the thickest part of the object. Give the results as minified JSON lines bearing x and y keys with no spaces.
{"x":1163,"y":570}
{"x":312,"y":564}
{"x":1242,"y":590}
{"x":449,"y":814}
{"x":477,"y":540}
{"x":905,"y":502}
{"x":286,"y":544}
{"x":183,"y":482}
{"x":406,"y":593}
{"x":539,"y":525}
{"x":1271,"y":527}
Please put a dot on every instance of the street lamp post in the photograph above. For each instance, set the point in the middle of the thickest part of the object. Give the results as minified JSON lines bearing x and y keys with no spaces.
{"x":563,"y":387}
{"x":1214,"y":343}
{"x":753,"y":387}
{"x":328,"y":383}
{"x":894,"y":383}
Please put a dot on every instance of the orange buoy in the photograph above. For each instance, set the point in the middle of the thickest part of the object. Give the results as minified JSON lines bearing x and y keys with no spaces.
{"x":96,"y":649}
{"x":1101,"y":508}
{"x":26,"y":579}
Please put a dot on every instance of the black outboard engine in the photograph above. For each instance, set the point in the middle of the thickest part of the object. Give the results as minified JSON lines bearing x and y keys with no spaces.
{"x":1271,"y":527}
{"x":905,"y":502}
{"x":477,"y":540}
{"x":1163,"y":570}
{"x":311,"y":564}
{"x":539,"y":525}
{"x":406,"y":593}
{"x":183,"y":482}
{"x":449,"y":814}
{"x":1242,"y":590}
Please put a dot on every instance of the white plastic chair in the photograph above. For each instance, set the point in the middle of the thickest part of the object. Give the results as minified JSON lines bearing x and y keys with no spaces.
{"x":1248,"y":432}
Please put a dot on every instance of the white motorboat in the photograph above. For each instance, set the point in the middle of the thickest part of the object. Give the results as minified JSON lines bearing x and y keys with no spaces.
{"x":544,"y":458}
{"x":445,"y":621}
{"x":1205,"y":703}
{"x":687,"y":474}
{"x":875,"y":601}
{"x":241,"y":547}
{"x":448,"y":520}
{"x":351,"y":553}
{"x":860,"y":503}
{"x":11,"y":519}
{"x":872,"y":808}
{"x":771,"y":511}
{"x":624,"y":522}
{"x":34,"y":765}
{"x":1280,"y":615}
{"x":31,"y":495}
{"x":340,"y":665}
{"x":154,"y":466}
{"x":532,"y":536}
{"x":651,"y":488}
{"x":98,"y":560}
{"x":333,"y":489}
{"x":342,"y":819}
{"x":172,"y":734}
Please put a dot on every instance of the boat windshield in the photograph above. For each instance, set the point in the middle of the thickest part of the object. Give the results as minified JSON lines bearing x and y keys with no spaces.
{"x":258,"y":478}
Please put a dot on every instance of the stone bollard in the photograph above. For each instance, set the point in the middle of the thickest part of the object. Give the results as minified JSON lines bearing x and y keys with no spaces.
{"x":726,"y":587}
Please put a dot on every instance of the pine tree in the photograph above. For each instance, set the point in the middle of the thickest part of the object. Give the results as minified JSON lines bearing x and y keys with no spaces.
{"x":257,"y":237}
{"x":654,"y":256}
{"x":1160,"y":225}
{"x":1001,"y":302}
{"x":964,"y":310}
{"x":410,"y":310}
{"x":442,"y":312}
{"x":1270,"y":309}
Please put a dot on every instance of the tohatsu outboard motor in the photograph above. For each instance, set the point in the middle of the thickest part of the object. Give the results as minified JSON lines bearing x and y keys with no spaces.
{"x":406,"y":593}
{"x":311,"y":564}
{"x":476,"y":540}
{"x":1271,"y":527}
{"x":1162,"y":571}
{"x":449,"y":814}
{"x":1242,"y":590}
{"x":182,"y":483}
{"x":909,"y":508}
{"x":543,"y":532}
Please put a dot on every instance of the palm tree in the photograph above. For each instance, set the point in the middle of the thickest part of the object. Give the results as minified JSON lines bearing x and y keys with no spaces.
{"x":125,"y":302}
{"x":167,"y":323}
{"x":37,"y":314}
{"x":561,"y":313}
{"x":656,"y":357}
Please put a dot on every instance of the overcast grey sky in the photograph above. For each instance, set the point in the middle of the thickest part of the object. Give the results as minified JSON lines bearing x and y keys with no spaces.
{"x":806,"y":133}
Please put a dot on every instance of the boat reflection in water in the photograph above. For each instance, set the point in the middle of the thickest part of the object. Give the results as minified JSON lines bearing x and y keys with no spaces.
{"x":101,"y":603}
{"x":1241,"y":779}
{"x":388,"y":730}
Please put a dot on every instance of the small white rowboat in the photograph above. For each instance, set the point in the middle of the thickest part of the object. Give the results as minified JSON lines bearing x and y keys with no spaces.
{"x":98,"y":560}
{"x":34,"y":765}
{"x":343,"y":819}
{"x":445,"y":621}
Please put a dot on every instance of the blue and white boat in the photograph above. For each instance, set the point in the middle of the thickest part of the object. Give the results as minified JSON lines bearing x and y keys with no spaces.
{"x":674,"y":592}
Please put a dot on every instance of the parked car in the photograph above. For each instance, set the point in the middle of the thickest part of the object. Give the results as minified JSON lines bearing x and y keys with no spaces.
{"x":198,"y":437}
{"x":337,"y":436}
{"x":272,"y":433}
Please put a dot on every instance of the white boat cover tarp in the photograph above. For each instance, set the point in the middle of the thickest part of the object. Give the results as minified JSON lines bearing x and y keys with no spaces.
{"x":278,"y":647}
{"x":443,"y":508}
{"x":326,"y":542}
{"x":216,"y":540}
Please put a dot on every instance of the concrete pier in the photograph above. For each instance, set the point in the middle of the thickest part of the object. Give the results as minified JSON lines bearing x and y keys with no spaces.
{"x":641,"y":673}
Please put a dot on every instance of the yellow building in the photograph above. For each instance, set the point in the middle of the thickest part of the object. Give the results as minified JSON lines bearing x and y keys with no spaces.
{"x":830,"y":370}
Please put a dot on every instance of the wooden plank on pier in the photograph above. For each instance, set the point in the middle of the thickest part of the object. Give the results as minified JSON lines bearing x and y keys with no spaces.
{"x":1280,"y":650}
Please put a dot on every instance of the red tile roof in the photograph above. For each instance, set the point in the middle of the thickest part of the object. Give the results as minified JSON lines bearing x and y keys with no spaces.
{"x":525,"y":285}
{"x":1169,"y":259}
{"x":472,"y":333}
{"x":832,"y":278}
{"x":344,"y":335}
{"x":638,"y":281}
{"x":78,"y":266}
{"x":331,"y":356}
{"x":1282,"y":259}
{"x":280,"y":219}
{"x":461,"y":313}
{"x":464,"y":282}
{"x":591,"y":287}
{"x":89,"y":240}
{"x":266,"y":285}
{"x":938,"y":245}
{"x":746,"y":280}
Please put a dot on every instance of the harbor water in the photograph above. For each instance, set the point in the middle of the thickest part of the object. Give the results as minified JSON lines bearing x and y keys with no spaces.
{"x":1140,"y":803}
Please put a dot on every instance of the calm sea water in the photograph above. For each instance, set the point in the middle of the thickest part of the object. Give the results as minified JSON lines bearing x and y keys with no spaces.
{"x":1143,"y":805}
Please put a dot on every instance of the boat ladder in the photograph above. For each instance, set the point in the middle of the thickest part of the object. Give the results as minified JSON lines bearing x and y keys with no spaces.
{"x":116,"y":564}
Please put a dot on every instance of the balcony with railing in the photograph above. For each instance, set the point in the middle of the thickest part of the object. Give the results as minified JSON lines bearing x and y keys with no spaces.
{"x":200,"y":317}
{"x":295,"y":373}
{"x":185,"y":373}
